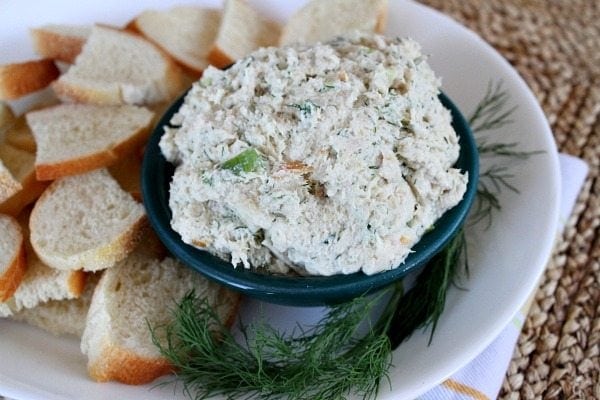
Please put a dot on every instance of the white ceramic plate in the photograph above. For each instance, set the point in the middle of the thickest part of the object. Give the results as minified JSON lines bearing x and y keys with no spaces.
{"x":505,"y":260}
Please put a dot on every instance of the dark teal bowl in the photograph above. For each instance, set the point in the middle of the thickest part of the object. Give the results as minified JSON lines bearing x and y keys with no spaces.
{"x":294,"y":290}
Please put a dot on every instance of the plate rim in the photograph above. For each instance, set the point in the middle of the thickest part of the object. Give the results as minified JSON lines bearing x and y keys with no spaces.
{"x":541,"y":259}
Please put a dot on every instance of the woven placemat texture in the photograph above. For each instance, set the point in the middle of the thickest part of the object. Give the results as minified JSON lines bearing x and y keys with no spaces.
{"x":555,"y":46}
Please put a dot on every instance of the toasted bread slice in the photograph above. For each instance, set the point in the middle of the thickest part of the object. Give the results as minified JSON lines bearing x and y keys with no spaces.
{"x":138,"y":292}
{"x":61,"y":317}
{"x":20,"y":79}
{"x":20,"y":163}
{"x":86,"y":222}
{"x":60,"y":42}
{"x":186,"y":33}
{"x":42,"y":283}
{"x":12,"y":256}
{"x":118,"y":67}
{"x":242,"y":30}
{"x":322,"y":20}
{"x":76,"y":138}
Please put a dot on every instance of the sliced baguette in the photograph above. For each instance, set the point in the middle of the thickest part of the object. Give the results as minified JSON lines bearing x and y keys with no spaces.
{"x":20,"y":163}
{"x":137,"y":293}
{"x":118,"y":67}
{"x":322,"y":20}
{"x":86,"y":222}
{"x":61,"y":317}
{"x":242,"y":30}
{"x":76,"y":138}
{"x":12,"y":257}
{"x":19,"y":135}
{"x":20,"y":79}
{"x":59,"y":42}
{"x":186,"y":33}
{"x":42,"y":283}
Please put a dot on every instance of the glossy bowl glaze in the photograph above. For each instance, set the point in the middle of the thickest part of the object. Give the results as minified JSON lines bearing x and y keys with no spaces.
{"x":295,"y":290}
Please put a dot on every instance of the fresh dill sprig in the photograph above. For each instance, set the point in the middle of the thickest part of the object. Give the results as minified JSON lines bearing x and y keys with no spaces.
{"x":424,"y":303}
{"x":491,"y":183}
{"x":327,"y":361}
{"x":491,"y":111}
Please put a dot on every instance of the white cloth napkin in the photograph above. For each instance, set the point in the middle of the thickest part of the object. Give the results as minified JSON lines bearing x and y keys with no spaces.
{"x":482,"y":378}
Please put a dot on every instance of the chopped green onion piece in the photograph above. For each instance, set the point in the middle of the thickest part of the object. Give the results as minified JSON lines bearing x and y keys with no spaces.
{"x":248,"y":160}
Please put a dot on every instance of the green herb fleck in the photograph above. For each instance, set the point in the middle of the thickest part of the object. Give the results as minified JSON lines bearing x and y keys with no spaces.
{"x":248,"y":160}
{"x":306,"y":109}
{"x":207,"y":179}
{"x":326,"y":87}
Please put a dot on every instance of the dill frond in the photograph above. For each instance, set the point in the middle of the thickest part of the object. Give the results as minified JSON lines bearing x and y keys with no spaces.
{"x":491,"y":112}
{"x":328,"y":361}
{"x":423,"y":304}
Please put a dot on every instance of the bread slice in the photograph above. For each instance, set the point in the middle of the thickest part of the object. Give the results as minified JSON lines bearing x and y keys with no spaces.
{"x":9,"y":186}
{"x":242,"y":30}
{"x":139,"y":292}
{"x":19,"y":135}
{"x":117,"y":67}
{"x":76,"y":138}
{"x":60,"y":42}
{"x":85,"y":222}
{"x":42,"y":283}
{"x":322,"y":20}
{"x":186,"y":33}
{"x":12,"y":256}
{"x":61,"y":317}
{"x":20,"y":79}
{"x":20,"y":163}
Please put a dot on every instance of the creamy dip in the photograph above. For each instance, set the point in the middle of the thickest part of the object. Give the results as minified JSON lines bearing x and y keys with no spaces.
{"x":327,"y":159}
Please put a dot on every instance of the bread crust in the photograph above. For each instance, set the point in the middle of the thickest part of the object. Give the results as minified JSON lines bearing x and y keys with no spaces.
{"x":31,"y":191}
{"x":77,"y":282}
{"x":69,"y":91}
{"x":219,"y":58}
{"x":123,"y":365}
{"x":53,"y":45}
{"x":20,"y":79}
{"x":16,"y":268}
{"x":100,"y":159}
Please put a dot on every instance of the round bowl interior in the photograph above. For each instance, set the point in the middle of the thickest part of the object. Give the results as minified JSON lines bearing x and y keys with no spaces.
{"x":296,"y":290}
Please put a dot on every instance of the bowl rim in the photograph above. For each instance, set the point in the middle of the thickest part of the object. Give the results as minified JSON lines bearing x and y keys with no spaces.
{"x":299,"y":290}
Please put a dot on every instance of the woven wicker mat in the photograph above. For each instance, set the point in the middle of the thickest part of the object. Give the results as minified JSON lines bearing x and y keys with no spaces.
{"x":555,"y":46}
